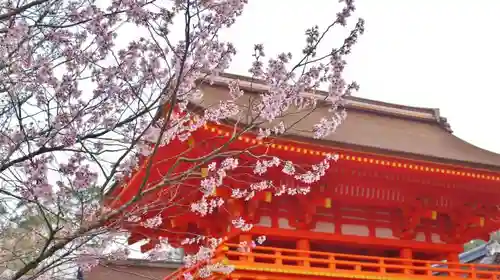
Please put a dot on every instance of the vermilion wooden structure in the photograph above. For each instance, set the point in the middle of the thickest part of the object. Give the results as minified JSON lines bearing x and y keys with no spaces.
{"x":374,"y":215}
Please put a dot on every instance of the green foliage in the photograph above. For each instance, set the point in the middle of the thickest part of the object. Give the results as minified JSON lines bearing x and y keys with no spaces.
{"x":473,"y":244}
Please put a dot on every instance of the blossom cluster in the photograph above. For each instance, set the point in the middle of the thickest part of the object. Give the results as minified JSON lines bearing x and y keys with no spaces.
{"x":208,"y":186}
{"x":82,"y":103}
{"x":204,"y":255}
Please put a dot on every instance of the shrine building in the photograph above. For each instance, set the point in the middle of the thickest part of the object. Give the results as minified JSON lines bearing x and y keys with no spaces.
{"x":400,"y":202}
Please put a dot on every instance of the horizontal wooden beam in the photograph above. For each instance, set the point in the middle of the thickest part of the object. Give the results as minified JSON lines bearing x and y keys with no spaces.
{"x":358,"y":240}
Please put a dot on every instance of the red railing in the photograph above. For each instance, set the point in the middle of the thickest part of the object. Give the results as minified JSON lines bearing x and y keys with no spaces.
{"x":315,"y":265}
{"x":193,"y":270}
{"x":279,"y":259}
{"x":179,"y":274}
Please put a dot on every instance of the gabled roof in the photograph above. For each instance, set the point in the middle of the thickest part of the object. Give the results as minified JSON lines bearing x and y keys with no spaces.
{"x":378,"y":127}
{"x":488,"y":253}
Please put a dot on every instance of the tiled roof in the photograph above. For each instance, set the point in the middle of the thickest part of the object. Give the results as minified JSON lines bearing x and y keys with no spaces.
{"x":373,"y":126}
{"x":488,"y":253}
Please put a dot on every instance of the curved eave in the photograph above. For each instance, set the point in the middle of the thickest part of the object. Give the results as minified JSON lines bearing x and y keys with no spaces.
{"x":374,"y":126}
{"x":307,"y":150}
{"x":402,"y":154}
{"x":404,"y":138}
{"x":369,"y":155}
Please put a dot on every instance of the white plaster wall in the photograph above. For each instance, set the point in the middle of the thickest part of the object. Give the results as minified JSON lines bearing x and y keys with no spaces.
{"x":265,"y":221}
{"x":324,"y":227}
{"x":356,"y":230}
{"x":384,"y":233}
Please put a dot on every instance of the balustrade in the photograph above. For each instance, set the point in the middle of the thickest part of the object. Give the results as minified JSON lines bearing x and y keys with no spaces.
{"x":317,"y":264}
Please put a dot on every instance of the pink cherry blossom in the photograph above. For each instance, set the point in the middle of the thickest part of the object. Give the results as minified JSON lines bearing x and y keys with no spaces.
{"x":90,"y":90}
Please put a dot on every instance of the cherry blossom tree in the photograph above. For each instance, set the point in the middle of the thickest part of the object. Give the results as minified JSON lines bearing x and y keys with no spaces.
{"x":82,"y":101}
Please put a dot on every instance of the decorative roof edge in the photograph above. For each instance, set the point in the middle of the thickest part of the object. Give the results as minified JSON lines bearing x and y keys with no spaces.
{"x":392,"y":159}
{"x":431,"y":115}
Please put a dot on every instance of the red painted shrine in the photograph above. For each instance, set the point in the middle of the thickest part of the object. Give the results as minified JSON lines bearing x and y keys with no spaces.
{"x":403,"y":197}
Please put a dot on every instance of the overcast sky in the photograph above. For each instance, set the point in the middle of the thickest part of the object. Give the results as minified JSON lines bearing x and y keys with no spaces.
{"x":440,"y":54}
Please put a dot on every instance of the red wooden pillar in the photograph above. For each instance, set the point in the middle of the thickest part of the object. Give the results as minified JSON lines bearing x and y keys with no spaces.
{"x":453,"y":260}
{"x":407,"y":254}
{"x":303,"y":244}
{"x":248,"y":239}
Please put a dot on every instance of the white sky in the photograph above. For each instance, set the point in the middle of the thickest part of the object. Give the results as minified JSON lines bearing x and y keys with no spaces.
{"x":429,"y":53}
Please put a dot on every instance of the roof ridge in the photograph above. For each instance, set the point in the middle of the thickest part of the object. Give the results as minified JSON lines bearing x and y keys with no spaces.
{"x":358,"y":103}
